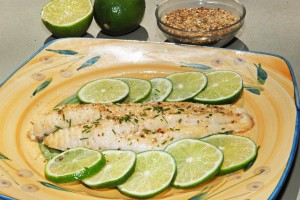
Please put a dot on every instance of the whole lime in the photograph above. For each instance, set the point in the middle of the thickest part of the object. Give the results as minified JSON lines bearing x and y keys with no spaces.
{"x":119,"y":17}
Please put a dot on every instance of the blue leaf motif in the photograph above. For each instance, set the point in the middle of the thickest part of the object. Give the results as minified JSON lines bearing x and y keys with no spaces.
{"x":42,"y":86}
{"x":50,"y":185}
{"x":3,"y":157}
{"x":89,"y":62}
{"x":196,"y":66}
{"x":199,"y":196}
{"x":64,"y":52}
{"x":253,"y":90}
{"x":261,"y":74}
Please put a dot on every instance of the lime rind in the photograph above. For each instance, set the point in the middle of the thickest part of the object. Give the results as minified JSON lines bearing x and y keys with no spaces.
{"x":139,"y":89}
{"x":238,"y":151}
{"x":186,"y":85}
{"x":73,"y":165}
{"x":196,"y":161}
{"x":223,"y":87}
{"x":161,"y":89}
{"x":153,"y":174}
{"x":103,"y":91}
{"x":53,"y":11}
{"x":116,"y":17}
{"x":119,"y":167}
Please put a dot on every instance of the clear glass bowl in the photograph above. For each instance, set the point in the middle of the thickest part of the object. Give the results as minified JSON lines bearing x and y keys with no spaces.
{"x":217,"y":37}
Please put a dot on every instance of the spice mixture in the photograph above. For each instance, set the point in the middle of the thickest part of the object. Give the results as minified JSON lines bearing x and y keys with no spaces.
{"x":199,"y":20}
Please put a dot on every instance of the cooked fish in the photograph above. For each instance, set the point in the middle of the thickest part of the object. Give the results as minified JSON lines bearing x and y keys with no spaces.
{"x":136,"y":127}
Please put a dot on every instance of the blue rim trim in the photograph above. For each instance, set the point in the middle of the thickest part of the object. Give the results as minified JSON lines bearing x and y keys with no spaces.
{"x":3,"y":197}
{"x":296,"y":96}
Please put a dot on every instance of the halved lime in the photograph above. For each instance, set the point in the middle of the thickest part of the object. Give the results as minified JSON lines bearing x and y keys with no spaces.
{"x":238,"y":151}
{"x":161,"y":88}
{"x":139,"y":89}
{"x":222,"y":87}
{"x":153,"y":173}
{"x":186,"y":85}
{"x":103,"y":91}
{"x":196,"y":161}
{"x":67,"y":18}
{"x":74,"y":164}
{"x":119,"y":167}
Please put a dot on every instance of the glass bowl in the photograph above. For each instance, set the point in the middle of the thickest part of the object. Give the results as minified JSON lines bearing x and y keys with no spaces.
{"x":213,"y":37}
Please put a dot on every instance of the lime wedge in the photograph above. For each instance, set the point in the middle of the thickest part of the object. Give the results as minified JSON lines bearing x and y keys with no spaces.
{"x":161,"y":88}
{"x":223,"y":87}
{"x":186,"y":85}
{"x":153,"y":173}
{"x":67,"y":18}
{"x":196,"y":161}
{"x":238,"y":151}
{"x":119,"y":167}
{"x":103,"y":91}
{"x":73,"y":165}
{"x":139,"y":89}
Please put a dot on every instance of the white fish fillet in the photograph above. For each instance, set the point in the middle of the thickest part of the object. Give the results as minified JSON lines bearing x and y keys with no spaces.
{"x":136,"y":127}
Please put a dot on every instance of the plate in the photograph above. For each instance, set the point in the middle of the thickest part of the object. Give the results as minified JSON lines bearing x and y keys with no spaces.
{"x":58,"y":69}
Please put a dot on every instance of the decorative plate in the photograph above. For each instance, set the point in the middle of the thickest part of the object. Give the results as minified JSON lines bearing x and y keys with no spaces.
{"x":58,"y":69}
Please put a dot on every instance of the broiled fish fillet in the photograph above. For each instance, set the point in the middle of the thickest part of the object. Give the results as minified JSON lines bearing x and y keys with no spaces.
{"x":136,"y":127}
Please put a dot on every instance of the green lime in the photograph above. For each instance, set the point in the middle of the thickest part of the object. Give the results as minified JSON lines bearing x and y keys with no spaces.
{"x":222,"y":87}
{"x":119,"y":167}
{"x":196,"y":161}
{"x":119,"y":17}
{"x":161,"y":88}
{"x":67,"y":18}
{"x":139,"y":89}
{"x":153,"y":173}
{"x":186,"y":85}
{"x":238,"y":151}
{"x":73,"y":165}
{"x":103,"y":91}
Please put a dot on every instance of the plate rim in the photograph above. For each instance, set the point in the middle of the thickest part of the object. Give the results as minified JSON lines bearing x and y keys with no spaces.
{"x":292,"y":156}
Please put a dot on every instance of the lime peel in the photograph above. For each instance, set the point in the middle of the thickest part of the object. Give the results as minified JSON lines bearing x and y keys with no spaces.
{"x":103,"y":91}
{"x":161,"y":89}
{"x":73,"y":165}
{"x":73,"y":24}
{"x":196,"y":161}
{"x":153,"y":174}
{"x":238,"y":151}
{"x":139,"y":89}
{"x":119,"y":167}
{"x":186,"y":85}
{"x":223,"y":87}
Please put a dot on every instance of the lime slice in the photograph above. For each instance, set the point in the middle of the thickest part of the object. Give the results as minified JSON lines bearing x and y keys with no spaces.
{"x":196,"y":161}
{"x":238,"y":151}
{"x":186,"y":85}
{"x":161,"y":88}
{"x":73,"y":165}
{"x":153,"y":173}
{"x":67,"y":18}
{"x":119,"y":167}
{"x":223,"y":87}
{"x":103,"y":91}
{"x":139,"y":89}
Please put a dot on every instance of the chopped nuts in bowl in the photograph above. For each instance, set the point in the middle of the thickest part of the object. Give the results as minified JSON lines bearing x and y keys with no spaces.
{"x":201,"y":22}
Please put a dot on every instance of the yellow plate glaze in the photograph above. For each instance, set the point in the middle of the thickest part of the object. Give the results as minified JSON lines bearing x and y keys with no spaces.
{"x":58,"y":70}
